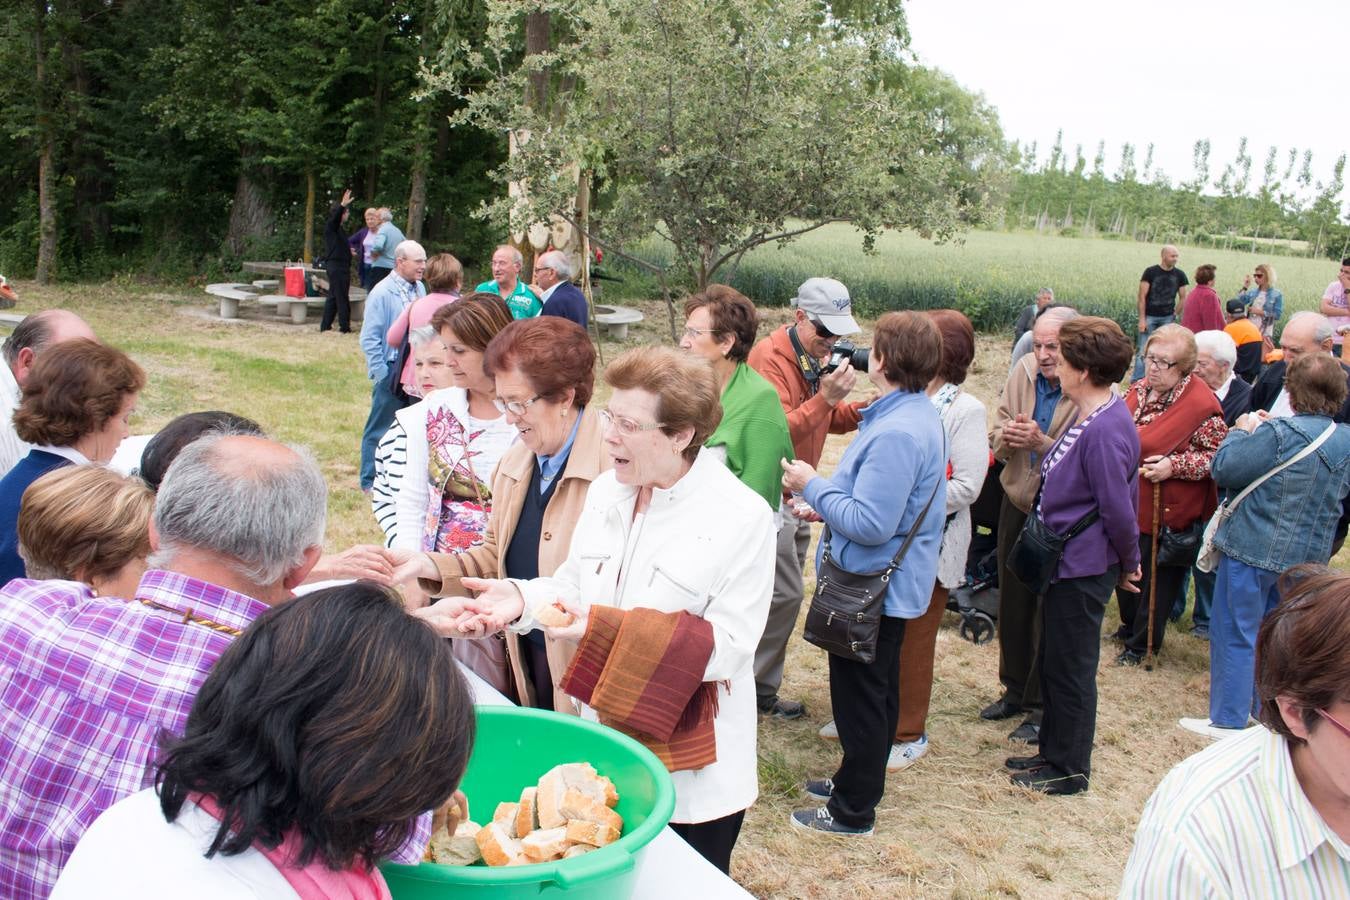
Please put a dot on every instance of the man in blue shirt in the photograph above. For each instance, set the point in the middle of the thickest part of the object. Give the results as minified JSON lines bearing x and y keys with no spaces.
{"x":383,"y":305}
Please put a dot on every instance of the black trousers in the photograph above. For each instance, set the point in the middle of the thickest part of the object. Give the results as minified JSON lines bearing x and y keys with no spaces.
{"x":338,"y":302}
{"x":374,"y":275}
{"x":1019,"y":620}
{"x":865,"y":698}
{"x":536,"y":662}
{"x":1134,"y":607}
{"x":1070,"y":648}
{"x":713,"y":840}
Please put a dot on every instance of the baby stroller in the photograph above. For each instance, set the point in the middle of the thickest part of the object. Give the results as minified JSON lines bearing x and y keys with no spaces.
{"x":976,"y":598}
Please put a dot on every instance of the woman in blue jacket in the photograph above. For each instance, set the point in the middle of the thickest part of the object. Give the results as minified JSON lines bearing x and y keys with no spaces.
{"x":1290,"y":518}
{"x":1263,"y":300}
{"x":892,"y":473}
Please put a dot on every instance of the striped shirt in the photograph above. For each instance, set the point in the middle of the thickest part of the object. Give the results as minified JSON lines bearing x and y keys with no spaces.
{"x":391,"y":461}
{"x":1232,"y":821}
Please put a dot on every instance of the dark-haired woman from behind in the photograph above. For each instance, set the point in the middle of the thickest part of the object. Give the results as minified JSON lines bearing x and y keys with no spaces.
{"x":1089,"y":483}
{"x":321,"y":735}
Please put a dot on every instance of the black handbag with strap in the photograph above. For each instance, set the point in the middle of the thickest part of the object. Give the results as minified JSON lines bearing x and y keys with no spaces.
{"x":845,"y":613}
{"x":1034,"y":556}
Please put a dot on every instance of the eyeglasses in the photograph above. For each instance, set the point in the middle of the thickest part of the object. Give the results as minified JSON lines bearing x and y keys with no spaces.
{"x":692,"y":333}
{"x":1334,"y":721}
{"x":514,"y":407}
{"x":1158,"y":362}
{"x":821,"y":330}
{"x":625,"y":425}
{"x":1258,"y":275}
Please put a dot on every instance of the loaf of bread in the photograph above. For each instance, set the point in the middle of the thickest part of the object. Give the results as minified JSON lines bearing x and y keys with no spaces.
{"x":580,"y":831}
{"x":551,"y":615}
{"x":498,"y":847}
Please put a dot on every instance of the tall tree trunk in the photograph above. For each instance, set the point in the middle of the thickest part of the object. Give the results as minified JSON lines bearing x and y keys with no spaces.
{"x":310,"y":190}
{"x":46,"y":259}
{"x":417,"y":193}
{"x":250,"y":213}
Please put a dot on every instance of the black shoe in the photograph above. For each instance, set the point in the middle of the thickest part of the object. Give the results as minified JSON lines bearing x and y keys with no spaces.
{"x":819,"y":788}
{"x":1025,"y":763}
{"x":1121,"y":634}
{"x":821,"y":820}
{"x":1028,"y":732}
{"x":1049,"y":780}
{"x":1000,"y":709}
{"x":1129,"y":658}
{"x":782,"y":709}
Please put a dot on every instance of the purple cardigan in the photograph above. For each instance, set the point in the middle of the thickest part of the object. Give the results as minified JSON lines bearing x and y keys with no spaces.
{"x":1099,"y":471}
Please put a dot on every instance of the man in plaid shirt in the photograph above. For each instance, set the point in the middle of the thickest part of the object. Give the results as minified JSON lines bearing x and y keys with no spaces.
{"x":87,"y":683}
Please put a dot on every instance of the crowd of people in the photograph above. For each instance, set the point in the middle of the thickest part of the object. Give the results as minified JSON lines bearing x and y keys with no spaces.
{"x":168,"y":692}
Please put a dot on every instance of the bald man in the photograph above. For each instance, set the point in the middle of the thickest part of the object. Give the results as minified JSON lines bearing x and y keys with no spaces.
{"x":1162,"y":294}
{"x":30,"y":337}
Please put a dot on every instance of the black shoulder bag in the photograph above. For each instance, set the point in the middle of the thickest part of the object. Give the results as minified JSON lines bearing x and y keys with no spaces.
{"x":845,"y":613}
{"x":1034,"y":556}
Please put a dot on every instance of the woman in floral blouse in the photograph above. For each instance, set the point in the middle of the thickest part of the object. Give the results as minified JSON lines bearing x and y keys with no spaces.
{"x":1180,"y":426}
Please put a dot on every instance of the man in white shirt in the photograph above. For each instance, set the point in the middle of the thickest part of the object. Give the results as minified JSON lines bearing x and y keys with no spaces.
{"x":29,"y":338}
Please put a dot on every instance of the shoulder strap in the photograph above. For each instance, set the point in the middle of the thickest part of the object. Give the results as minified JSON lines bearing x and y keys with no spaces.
{"x":1306,"y":451}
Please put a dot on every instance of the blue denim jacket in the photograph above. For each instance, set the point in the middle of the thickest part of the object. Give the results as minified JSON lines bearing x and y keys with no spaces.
{"x":1291,"y":517}
{"x":1274,"y":305}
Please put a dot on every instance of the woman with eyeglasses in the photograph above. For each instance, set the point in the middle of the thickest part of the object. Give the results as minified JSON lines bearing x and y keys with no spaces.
{"x":719,"y":326}
{"x":1264,"y":814}
{"x":670,"y":529}
{"x":1263,"y":300}
{"x":1180,"y":426}
{"x":543,"y":373}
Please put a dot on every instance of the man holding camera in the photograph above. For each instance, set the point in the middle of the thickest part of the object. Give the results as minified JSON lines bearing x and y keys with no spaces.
{"x":812,"y":377}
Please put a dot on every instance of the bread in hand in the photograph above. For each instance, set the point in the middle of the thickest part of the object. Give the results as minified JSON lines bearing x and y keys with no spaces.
{"x":551,"y":615}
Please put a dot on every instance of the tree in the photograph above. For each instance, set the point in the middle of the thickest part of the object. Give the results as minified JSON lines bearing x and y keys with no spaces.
{"x":720,"y":128}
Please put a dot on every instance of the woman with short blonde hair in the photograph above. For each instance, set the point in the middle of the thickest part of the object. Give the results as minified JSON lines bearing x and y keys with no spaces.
{"x":89,"y":524}
{"x":1263,"y":300}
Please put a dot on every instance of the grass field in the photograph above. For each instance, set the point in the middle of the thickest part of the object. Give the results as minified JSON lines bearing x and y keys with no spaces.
{"x":951,"y":826}
{"x":990,"y":276}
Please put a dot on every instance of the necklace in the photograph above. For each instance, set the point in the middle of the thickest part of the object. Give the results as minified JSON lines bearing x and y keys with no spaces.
{"x":189,"y":617}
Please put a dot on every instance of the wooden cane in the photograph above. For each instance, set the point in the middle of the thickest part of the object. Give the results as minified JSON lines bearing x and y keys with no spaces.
{"x":1153,"y":572}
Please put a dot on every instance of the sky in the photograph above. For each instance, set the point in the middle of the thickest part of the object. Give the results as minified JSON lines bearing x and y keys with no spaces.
{"x":1145,"y":71}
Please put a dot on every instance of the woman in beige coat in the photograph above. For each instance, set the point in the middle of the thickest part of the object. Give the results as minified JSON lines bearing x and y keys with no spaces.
{"x":544,"y":373}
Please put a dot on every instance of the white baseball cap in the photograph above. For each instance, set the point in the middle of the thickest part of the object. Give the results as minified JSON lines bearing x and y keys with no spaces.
{"x":826,"y":301}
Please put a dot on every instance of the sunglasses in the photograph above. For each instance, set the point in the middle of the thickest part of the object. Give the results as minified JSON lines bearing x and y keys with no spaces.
{"x":821,"y":330}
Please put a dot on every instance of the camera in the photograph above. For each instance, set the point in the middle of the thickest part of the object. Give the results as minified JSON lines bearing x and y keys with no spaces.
{"x":844,"y":350}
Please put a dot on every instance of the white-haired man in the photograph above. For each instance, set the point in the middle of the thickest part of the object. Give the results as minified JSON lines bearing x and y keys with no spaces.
{"x":94,"y":681}
{"x":1306,"y":332}
{"x":505,"y":283}
{"x":553,"y":278}
{"x":384,"y":303}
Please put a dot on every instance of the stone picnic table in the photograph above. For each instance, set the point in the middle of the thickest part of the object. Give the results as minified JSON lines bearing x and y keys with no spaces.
{"x":232,"y":294}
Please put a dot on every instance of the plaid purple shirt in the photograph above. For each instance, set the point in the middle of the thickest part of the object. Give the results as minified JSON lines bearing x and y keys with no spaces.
{"x":88,"y":683}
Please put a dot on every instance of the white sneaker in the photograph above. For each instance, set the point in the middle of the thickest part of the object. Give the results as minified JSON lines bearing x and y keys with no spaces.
{"x":905,"y":755}
{"x":1208,"y":729}
{"x":829,"y":732}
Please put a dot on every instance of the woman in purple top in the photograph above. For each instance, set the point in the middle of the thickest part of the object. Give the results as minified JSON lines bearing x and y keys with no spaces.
{"x":1092,"y":467}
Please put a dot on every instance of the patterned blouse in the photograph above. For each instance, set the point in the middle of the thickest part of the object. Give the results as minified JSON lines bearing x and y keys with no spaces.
{"x":1191,"y":463}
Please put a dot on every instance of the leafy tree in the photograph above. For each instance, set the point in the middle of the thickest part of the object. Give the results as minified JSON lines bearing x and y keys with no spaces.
{"x":722,"y":128}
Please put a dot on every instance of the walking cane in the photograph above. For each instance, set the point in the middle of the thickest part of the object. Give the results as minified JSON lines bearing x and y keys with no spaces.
{"x":1153,"y":572}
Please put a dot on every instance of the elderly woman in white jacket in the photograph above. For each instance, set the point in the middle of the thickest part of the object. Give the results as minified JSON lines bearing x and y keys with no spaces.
{"x":966,"y":422}
{"x":669,"y":528}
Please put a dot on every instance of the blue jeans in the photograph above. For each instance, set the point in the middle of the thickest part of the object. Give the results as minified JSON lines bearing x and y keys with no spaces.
{"x":1151,"y":324}
{"x":1243,"y":595}
{"x":383,"y":405}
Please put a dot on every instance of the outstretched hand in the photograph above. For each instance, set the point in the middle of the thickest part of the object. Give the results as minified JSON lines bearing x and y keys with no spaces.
{"x":361,"y":561}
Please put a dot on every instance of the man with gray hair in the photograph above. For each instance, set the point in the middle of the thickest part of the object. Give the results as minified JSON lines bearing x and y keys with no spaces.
{"x":1305,"y":333}
{"x":1044,"y":297}
{"x":238,"y":523}
{"x":505,"y":283}
{"x":1023,"y":344}
{"x":1031,"y":416}
{"x":30,"y":337}
{"x":553,"y":278}
{"x":385,"y":302}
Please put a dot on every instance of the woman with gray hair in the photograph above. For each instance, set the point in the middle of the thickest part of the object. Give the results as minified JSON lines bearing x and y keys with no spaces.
{"x":380,"y":253}
{"x":1215,"y":357}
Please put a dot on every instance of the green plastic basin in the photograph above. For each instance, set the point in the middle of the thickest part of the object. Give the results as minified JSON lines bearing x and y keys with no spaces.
{"x":513,"y":749}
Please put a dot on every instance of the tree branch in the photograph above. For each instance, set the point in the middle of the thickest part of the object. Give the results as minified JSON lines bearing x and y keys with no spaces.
{"x":751,"y":243}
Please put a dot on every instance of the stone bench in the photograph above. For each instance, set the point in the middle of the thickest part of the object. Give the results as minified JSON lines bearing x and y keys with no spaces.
{"x":616,"y":319}
{"x":231,"y":294}
{"x":267,"y":284}
{"x":295,"y":308}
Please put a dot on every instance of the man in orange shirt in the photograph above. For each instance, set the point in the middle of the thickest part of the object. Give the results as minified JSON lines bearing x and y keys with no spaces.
{"x":1248,"y":339}
{"x":791,"y":358}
